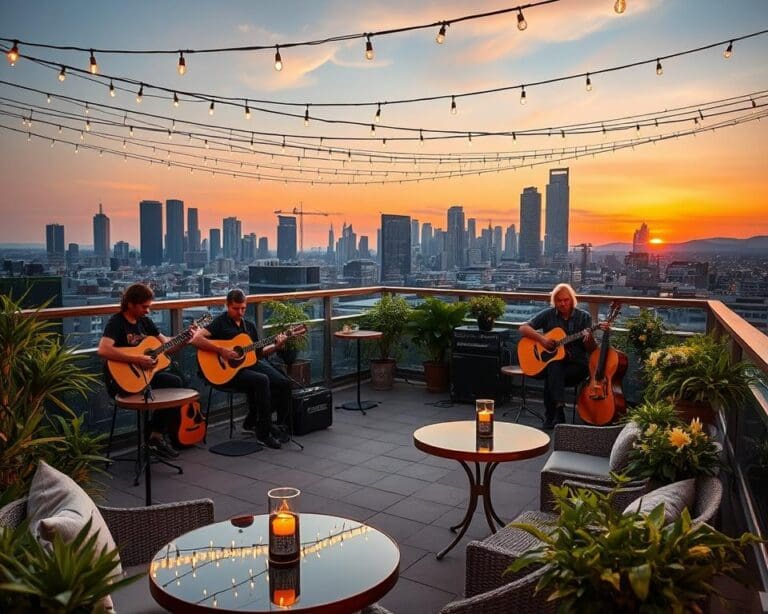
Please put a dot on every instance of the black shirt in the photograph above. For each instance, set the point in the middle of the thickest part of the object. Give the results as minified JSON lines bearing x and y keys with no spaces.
{"x":550,"y":318}
{"x":223,"y":327}
{"x":126,"y":334}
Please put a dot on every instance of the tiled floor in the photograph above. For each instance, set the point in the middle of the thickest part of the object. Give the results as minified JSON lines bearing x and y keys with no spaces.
{"x":365,"y":468}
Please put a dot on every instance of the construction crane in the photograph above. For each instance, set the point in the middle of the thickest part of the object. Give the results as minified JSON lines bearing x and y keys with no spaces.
{"x":299,"y":211}
{"x":585,"y":248}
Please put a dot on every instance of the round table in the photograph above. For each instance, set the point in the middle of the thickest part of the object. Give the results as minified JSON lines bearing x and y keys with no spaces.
{"x":458,"y":440}
{"x":224,"y":567}
{"x":358,"y":335}
{"x":142,"y":403}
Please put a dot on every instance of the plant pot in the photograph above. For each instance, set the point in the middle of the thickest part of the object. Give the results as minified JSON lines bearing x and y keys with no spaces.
{"x":383,"y":374}
{"x":688,"y":410}
{"x":485,"y":323}
{"x":301,"y":371}
{"x":436,"y":376}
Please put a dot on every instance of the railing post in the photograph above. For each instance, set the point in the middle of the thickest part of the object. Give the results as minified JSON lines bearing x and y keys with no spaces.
{"x":177,"y":321}
{"x":594,"y":311}
{"x":259,"y":308}
{"x":327,"y":340}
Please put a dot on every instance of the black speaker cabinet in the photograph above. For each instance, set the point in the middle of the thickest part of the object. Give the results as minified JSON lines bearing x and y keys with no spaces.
{"x":312,"y":409}
{"x":476,"y":377}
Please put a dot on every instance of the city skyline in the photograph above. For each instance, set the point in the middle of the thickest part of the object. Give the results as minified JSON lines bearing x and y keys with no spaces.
{"x":717,"y":179}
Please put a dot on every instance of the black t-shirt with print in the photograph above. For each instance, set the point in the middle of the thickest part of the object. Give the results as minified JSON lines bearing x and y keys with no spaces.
{"x":126,"y":334}
{"x":550,"y":318}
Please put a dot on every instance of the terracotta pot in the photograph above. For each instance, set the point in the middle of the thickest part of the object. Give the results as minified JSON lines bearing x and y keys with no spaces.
{"x":689,"y":410}
{"x":383,"y":374}
{"x":436,"y":376}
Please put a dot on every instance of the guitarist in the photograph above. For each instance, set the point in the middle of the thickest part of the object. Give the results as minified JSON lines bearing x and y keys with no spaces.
{"x":575,"y":366}
{"x":261,"y":382}
{"x":129,"y":328}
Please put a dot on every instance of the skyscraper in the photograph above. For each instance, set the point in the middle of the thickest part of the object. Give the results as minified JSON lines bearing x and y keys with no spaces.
{"x":395,"y":248}
{"x":232,"y":231}
{"x":414,"y":233}
{"x":286,"y":238}
{"x":193,"y":230}
{"x":456,"y":238}
{"x":529,"y":248}
{"x":151,"y":232}
{"x":101,"y":240}
{"x":426,"y":240}
{"x":54,"y":242}
{"x":558,"y":206}
{"x":363,"y":250}
{"x":497,"y":246}
{"x":174,"y":238}
{"x":214,"y":243}
{"x":263,"y":250}
{"x":510,"y":243}
{"x":329,"y":250}
{"x":471,"y":232}
{"x":640,"y":239}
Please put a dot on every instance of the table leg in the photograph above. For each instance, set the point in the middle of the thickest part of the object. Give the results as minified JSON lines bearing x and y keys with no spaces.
{"x":360,"y":406}
{"x":147,"y":460}
{"x":490,"y":513}
{"x":467,"y":520}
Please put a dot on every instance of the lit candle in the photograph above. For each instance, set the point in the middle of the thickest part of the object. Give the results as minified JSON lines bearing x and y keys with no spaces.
{"x":284,"y":597}
{"x":484,"y":417}
{"x":284,"y":524}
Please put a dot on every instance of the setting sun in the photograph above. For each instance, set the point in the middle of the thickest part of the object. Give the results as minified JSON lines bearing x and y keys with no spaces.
{"x":656,"y":241}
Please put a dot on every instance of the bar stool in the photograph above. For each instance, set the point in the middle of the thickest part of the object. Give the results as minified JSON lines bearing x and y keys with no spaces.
{"x":516,"y":371}
{"x":230,"y":392}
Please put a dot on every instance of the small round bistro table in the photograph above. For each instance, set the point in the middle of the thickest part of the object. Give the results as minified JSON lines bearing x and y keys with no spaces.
{"x":224,"y":567}
{"x":458,"y":440}
{"x":142,"y":403}
{"x":358,"y":335}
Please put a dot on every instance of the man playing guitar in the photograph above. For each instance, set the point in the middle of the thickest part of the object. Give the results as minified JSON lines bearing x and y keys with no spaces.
{"x":261,"y":382}
{"x":128,"y":329}
{"x":575,"y":366}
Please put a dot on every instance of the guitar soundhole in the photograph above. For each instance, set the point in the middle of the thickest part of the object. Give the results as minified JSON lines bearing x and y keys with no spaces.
{"x":134,"y":370}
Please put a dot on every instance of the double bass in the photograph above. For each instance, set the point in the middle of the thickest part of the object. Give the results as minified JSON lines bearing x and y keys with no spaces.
{"x":602,"y":399}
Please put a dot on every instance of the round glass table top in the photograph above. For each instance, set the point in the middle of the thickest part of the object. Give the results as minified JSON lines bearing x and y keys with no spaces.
{"x":344,"y":566}
{"x":458,"y":440}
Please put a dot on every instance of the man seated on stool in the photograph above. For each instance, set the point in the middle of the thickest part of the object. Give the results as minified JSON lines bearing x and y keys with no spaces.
{"x":127,"y":329}
{"x":575,"y":366}
{"x":261,"y":382}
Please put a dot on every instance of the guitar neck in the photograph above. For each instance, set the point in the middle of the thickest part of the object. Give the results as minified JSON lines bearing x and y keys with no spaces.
{"x":171,"y":343}
{"x":578,"y":335}
{"x":257,"y":345}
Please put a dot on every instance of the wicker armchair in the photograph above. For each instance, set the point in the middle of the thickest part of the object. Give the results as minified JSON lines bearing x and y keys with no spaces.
{"x":138,"y":532}
{"x":517,"y":597}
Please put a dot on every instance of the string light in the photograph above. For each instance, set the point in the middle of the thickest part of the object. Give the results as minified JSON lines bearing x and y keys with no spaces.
{"x":453,"y":105}
{"x":62,"y":74}
{"x":377,"y":117}
{"x":440,"y":38}
{"x":384,"y":143}
{"x":659,"y":69}
{"x":589,"y":83}
{"x":130,"y":130}
{"x":521,"y":23}
{"x":306,"y":116}
{"x":523,"y":99}
{"x":282,"y":147}
{"x":368,"y":47}
{"x":140,"y":94}
{"x":87,"y":125}
{"x":93,"y":67}
{"x":248,"y":113}
{"x":421,"y":137}
{"x":210,"y":108}
{"x":111,"y":89}
{"x":175,"y":99}
{"x":620,"y":6}
{"x":728,"y":51}
{"x":278,"y":59}
{"x":13,"y":53}
{"x":373,"y":130}
{"x":182,"y":67}
{"x":87,"y":108}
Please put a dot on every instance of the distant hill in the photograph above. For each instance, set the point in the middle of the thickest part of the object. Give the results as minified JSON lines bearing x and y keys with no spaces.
{"x":720,"y":245}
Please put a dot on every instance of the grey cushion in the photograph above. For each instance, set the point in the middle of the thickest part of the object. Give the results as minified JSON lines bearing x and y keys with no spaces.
{"x":575,"y":463}
{"x":622,"y":446}
{"x":675,"y":498}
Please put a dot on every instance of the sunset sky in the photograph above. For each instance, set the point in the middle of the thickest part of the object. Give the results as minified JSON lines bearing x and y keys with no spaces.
{"x":711,"y":184}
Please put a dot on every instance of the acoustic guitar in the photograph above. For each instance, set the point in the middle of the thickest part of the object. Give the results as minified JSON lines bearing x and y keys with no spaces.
{"x":191,"y":424}
{"x":534,"y":357}
{"x":219,"y":371}
{"x":131,"y":378}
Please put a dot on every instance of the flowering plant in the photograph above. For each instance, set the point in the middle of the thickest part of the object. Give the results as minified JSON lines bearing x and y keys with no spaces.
{"x":671,"y":453}
{"x":645,"y":332}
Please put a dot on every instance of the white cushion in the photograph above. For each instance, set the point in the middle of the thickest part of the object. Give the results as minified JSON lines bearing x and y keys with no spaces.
{"x":675,"y":498}
{"x":622,"y":446}
{"x":577,"y":464}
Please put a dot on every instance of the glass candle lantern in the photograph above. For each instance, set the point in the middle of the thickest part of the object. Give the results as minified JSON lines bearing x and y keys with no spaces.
{"x":284,"y":539}
{"x":484,"y":444}
{"x":484,"y":417}
{"x":284,"y":584}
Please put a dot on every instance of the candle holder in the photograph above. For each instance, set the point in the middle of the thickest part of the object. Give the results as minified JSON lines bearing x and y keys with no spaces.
{"x":284,"y":540}
{"x":484,"y":417}
{"x":284,"y":584}
{"x":484,"y":444}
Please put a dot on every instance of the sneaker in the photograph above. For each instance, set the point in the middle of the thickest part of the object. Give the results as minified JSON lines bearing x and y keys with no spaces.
{"x":161,"y":448}
{"x":280,"y":433}
{"x":269,"y":442}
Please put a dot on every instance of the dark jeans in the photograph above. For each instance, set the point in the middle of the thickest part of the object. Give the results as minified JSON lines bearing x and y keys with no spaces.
{"x":558,"y":375}
{"x":266,"y":388}
{"x":161,"y":419}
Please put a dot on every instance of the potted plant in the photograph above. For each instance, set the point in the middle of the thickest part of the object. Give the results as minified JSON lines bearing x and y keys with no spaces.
{"x":599,"y":559}
{"x":431,"y":325}
{"x":486,"y":309}
{"x":389,"y":316}
{"x":645,"y":332}
{"x":698,"y":376}
{"x":282,"y":316}
{"x":659,"y":413}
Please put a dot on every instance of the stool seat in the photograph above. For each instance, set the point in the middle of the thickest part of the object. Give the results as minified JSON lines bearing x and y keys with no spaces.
{"x":512,"y":370}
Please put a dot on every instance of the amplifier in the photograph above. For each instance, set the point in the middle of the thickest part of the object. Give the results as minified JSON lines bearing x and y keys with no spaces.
{"x":476,"y":377}
{"x":312,"y":409}
{"x":471,"y":340}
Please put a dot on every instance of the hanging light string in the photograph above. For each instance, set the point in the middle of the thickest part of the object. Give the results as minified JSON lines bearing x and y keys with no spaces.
{"x":441,"y":24}
{"x":247,"y":103}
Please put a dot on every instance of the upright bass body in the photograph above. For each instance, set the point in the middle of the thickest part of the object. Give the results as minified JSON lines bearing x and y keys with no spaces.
{"x":602,"y":400}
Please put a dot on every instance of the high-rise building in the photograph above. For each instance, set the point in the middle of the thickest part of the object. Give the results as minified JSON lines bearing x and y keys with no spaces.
{"x":471,"y":232}
{"x":497,"y":246}
{"x":174,"y":236}
{"x":510,"y":243}
{"x":263,"y":249}
{"x":558,"y":207}
{"x":121,"y":250}
{"x":54,"y":243}
{"x":640,"y":240}
{"x":529,"y":246}
{"x":456,"y":238}
{"x":214,"y":243}
{"x":73,"y":255}
{"x":395,"y":248}
{"x":286,"y":238}
{"x":101,"y":240}
{"x":329,"y":253}
{"x":414,"y":233}
{"x":248,"y":249}
{"x":232,"y":231}
{"x":151,"y":232}
{"x":426,"y":240}
{"x":346,"y":246}
{"x":363,"y":249}
{"x":193,"y":230}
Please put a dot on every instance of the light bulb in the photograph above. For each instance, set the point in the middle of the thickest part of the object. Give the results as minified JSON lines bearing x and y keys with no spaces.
{"x":728,"y":51}
{"x":87,"y":125}
{"x":421,"y":137}
{"x":92,"y":65}
{"x":453,"y":105}
{"x":521,"y":23}
{"x":111,"y":89}
{"x":48,"y":98}
{"x":377,"y":117}
{"x":62,"y":74}
{"x":170,"y":137}
{"x":77,"y":148}
{"x":278,"y":59}
{"x":182,"y":67}
{"x":13,"y":53}
{"x":87,"y":109}
{"x":373,"y":130}
{"x":210,"y":109}
{"x":659,"y":69}
{"x":130,"y":130}
{"x":175,"y":99}
{"x":368,"y":47}
{"x":620,"y":6}
{"x":247,"y":111}
{"x":469,"y":139}
{"x":282,"y":147}
{"x":440,"y":38}
{"x":384,"y":143}
{"x":522,"y":96}
{"x":140,"y":94}
{"x":589,"y":83}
